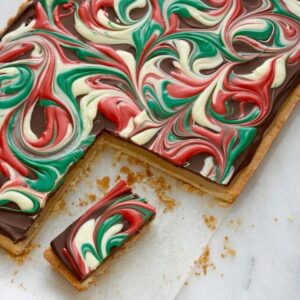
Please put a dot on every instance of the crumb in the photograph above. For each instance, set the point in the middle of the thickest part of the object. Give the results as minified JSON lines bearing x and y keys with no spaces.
{"x":132,"y":177}
{"x":158,"y":183}
{"x":20,"y":259}
{"x":203,"y":262}
{"x":83,"y":202}
{"x":103,"y":184}
{"x":160,"y":186}
{"x":210,"y":221}
{"x":252,"y":225}
{"x":197,"y":273}
{"x":186,"y":283}
{"x":167,"y":201}
{"x":290,"y":219}
{"x":276,"y":219}
{"x":228,"y":250}
{"x":222,"y":275}
{"x":92,"y":197}
{"x":235,"y":224}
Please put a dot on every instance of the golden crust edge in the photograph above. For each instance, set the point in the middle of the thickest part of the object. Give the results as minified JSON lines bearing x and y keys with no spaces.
{"x":63,"y":270}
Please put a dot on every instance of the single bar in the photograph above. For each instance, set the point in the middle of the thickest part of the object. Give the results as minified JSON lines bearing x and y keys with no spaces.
{"x":110,"y":226}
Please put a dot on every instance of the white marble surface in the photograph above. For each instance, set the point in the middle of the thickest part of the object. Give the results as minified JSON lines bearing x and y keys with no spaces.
{"x":267,"y":260}
{"x":267,"y":263}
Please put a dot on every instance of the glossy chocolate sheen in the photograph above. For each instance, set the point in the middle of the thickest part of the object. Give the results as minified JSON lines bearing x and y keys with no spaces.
{"x":228,"y":149}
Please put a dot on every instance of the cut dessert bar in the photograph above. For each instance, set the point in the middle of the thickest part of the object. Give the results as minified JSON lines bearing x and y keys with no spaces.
{"x":85,"y":248}
{"x":199,"y":89}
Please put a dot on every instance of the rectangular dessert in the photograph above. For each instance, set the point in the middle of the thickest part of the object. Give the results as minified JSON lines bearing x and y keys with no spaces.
{"x":85,"y":249}
{"x":199,"y":89}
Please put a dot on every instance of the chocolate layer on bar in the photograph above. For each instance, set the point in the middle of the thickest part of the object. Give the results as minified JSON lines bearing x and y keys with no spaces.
{"x":195,"y":82}
{"x":102,"y":230}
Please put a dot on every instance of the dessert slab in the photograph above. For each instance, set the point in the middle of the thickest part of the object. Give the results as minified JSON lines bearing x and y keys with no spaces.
{"x":199,"y":89}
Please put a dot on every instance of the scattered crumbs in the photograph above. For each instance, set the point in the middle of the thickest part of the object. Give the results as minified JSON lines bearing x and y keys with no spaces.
{"x":203,"y":262}
{"x":290,"y":219}
{"x":167,"y":201}
{"x":83,"y":202}
{"x":158,"y":183}
{"x":210,"y":221}
{"x":132,"y":177}
{"x":20,"y":259}
{"x":92,"y":197}
{"x":228,"y":250}
{"x":276,"y":219}
{"x":103,"y":184}
{"x":186,"y":283}
{"x":88,"y":198}
{"x":235,"y":223}
{"x":160,"y":186}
